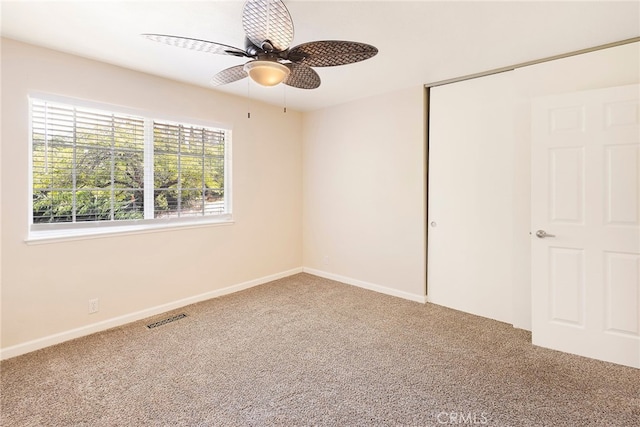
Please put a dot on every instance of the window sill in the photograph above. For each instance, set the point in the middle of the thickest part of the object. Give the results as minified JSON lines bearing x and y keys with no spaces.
{"x":53,"y":236}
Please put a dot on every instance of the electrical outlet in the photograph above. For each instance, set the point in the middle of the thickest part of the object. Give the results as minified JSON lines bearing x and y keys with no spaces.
{"x":325,"y":260}
{"x":94,"y":305}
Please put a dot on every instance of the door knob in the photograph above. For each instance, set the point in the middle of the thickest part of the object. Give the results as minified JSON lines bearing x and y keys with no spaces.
{"x":541,"y":234}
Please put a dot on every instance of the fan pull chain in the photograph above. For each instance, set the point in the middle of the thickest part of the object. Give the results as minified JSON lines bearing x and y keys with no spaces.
{"x":284,"y":94}
{"x":248,"y":98}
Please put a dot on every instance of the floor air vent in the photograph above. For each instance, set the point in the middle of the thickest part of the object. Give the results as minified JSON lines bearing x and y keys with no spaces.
{"x":165,"y":321}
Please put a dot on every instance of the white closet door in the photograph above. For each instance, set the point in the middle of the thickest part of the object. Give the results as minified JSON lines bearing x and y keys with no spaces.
{"x":470,"y":230}
{"x":586,"y":196}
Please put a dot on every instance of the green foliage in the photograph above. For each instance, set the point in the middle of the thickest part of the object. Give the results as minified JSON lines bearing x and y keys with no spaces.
{"x":188,"y":170}
{"x":107,"y":182}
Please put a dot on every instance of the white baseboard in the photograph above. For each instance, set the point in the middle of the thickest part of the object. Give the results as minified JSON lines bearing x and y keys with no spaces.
{"x":58,"y":338}
{"x":366,"y":285}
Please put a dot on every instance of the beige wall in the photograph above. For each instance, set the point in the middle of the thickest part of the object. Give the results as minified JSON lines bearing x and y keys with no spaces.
{"x":364,"y":193}
{"x":46,"y":287}
{"x":363,"y":207}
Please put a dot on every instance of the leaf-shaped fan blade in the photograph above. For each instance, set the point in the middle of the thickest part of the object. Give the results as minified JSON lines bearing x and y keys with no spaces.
{"x":302,"y":77}
{"x":264,"y":20}
{"x":196,"y":44}
{"x":229,"y":75}
{"x":328,"y":53}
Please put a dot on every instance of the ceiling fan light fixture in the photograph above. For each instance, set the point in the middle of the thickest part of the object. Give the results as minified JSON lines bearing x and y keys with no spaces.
{"x":266,"y":73}
{"x":268,"y":32}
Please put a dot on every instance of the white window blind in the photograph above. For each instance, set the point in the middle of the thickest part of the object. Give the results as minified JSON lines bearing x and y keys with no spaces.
{"x":88,"y":168}
{"x":87,"y":165}
{"x":188,"y":170}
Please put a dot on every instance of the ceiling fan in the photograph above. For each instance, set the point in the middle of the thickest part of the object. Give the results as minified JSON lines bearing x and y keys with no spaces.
{"x":269,"y":32}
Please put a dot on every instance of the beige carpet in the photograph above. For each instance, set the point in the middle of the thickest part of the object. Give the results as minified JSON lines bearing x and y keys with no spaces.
{"x":307,"y":351}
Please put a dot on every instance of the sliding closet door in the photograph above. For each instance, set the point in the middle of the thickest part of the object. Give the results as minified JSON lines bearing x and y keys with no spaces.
{"x":471,"y":197}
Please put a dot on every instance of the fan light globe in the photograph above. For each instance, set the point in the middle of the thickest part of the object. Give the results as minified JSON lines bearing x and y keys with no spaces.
{"x":266,"y":73}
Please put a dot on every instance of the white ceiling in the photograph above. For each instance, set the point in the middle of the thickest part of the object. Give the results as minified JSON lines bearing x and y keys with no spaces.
{"x":419,"y":41}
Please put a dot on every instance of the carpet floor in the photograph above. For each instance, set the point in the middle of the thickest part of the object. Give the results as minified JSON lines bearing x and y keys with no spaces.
{"x":305,"y":351}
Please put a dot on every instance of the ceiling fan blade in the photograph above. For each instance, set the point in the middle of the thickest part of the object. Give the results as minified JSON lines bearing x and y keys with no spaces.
{"x":268,"y":20}
{"x":302,"y":77}
{"x":196,"y":44}
{"x":229,"y":75}
{"x":329,"y":53}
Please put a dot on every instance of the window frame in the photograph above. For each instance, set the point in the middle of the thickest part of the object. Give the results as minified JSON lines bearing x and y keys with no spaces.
{"x":51,"y":232}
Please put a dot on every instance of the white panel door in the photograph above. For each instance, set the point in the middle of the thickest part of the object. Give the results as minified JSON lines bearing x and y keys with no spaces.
{"x":586,"y":197}
{"x":471,"y":197}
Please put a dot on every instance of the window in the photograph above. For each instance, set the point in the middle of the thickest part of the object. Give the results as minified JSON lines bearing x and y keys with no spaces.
{"x":188,"y":172}
{"x":92,"y":168}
